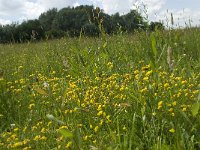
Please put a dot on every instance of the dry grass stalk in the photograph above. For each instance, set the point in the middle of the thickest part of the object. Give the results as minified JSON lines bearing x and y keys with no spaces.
{"x":170,"y":61}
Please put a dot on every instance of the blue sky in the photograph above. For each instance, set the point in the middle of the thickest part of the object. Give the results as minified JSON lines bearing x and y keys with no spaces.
{"x":157,"y":10}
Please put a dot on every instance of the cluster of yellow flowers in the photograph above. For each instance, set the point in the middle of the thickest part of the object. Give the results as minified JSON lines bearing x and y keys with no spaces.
{"x":92,"y":103}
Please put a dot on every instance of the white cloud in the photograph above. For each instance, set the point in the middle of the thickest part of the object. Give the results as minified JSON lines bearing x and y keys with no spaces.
{"x":18,"y":10}
{"x":76,"y":4}
{"x":181,"y":18}
{"x":4,"y":22}
{"x":113,"y":6}
{"x":32,"y":10}
{"x":151,"y":6}
{"x":56,"y":3}
{"x":10,"y":7}
{"x":15,"y":10}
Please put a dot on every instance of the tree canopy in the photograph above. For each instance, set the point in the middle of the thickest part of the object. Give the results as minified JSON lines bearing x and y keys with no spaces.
{"x":72,"y":21}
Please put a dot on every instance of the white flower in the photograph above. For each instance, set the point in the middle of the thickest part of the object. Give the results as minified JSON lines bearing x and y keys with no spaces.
{"x":46,"y":85}
{"x":12,"y":125}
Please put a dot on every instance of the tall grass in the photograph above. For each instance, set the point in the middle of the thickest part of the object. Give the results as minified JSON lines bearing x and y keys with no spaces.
{"x":114,"y":92}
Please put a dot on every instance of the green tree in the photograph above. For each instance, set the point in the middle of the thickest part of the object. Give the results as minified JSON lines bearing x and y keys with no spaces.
{"x":46,"y":19}
{"x":134,"y":20}
{"x":90,"y":29}
{"x":30,"y":30}
{"x":8,"y":33}
{"x":156,"y":25}
{"x":73,"y":21}
{"x":70,"y":20}
{"x":118,"y":23}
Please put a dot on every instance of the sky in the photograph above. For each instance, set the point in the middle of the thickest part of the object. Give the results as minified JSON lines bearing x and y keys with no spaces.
{"x":184,"y":11}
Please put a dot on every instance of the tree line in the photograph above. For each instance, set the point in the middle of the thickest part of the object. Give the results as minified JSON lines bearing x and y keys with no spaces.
{"x":73,"y":21}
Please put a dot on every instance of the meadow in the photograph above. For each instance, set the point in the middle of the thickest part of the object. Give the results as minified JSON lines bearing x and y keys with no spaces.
{"x":126,"y":91}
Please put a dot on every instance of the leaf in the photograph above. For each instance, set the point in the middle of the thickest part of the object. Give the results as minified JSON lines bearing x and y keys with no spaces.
{"x":81,"y":59}
{"x":77,"y":138}
{"x":51,"y":117}
{"x":153,"y":65}
{"x":185,"y":116}
{"x":124,"y":105}
{"x":93,"y":147}
{"x":104,"y":45}
{"x":66,"y":133}
{"x":41,"y":91}
{"x":153,"y":42}
{"x":195,"y":109}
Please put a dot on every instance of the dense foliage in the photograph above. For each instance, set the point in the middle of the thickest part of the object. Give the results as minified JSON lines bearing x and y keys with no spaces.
{"x":85,"y":20}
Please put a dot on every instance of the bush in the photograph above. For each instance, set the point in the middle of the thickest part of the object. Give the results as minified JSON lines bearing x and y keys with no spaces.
{"x":90,"y":29}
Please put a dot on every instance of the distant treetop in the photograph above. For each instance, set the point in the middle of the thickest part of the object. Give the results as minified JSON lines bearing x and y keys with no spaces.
{"x":72,"y":21}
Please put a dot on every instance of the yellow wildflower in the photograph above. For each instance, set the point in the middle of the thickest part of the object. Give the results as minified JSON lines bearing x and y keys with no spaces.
{"x":96,"y":129}
{"x":160,"y":103}
{"x":68,"y":145}
{"x":174,"y":103}
{"x":17,"y":144}
{"x":172,"y":130}
{"x":184,"y":109}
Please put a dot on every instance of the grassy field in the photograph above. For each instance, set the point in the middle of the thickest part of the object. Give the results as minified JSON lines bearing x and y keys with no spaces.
{"x":137,"y":91}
